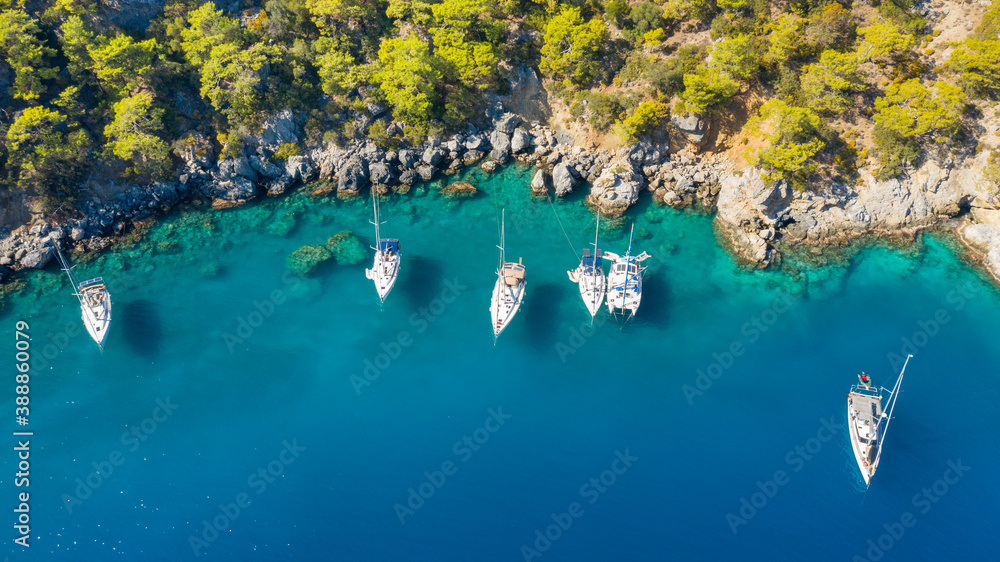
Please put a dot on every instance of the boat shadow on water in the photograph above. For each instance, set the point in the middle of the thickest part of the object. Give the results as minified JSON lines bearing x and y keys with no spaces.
{"x":141,"y":327}
{"x":541,"y":316}
{"x":423,"y":278}
{"x":656,"y":300}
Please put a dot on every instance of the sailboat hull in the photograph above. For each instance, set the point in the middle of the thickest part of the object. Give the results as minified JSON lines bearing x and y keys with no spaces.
{"x":504,"y":304}
{"x":97,"y":319}
{"x":864,"y":425}
{"x":384,"y":272}
{"x":624,"y":293}
{"x":861,"y":453}
{"x":593,"y":286}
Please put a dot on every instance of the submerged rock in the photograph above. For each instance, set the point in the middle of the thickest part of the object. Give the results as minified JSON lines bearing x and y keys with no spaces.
{"x":346,"y":248}
{"x":282,"y":224}
{"x":305,"y":259}
{"x":459,"y":189}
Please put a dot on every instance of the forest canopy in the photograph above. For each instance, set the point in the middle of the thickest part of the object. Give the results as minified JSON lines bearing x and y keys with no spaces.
{"x":86,"y":88}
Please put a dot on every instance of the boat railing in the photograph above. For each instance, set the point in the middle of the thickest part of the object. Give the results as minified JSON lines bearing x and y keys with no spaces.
{"x":864,"y":391}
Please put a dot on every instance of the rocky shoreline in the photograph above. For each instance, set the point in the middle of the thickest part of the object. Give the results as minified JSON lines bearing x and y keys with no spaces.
{"x":756,"y":217}
{"x":617,"y":179}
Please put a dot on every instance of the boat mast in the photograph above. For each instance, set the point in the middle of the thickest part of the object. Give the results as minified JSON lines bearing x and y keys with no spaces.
{"x":503,"y":257}
{"x":375,"y":222}
{"x":503,"y":214}
{"x":65,"y":267}
{"x":593,"y":267}
{"x":628,"y":259}
{"x":892,"y":405}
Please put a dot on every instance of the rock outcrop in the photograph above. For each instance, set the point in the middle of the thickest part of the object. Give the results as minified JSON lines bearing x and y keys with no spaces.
{"x":562,"y":179}
{"x":617,"y":188}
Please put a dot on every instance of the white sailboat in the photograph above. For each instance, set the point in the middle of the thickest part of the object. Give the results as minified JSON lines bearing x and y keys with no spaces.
{"x":509,"y":289}
{"x":867,"y":422}
{"x":589,"y":275}
{"x":625,"y":280}
{"x":95,"y":301}
{"x":385,"y":269}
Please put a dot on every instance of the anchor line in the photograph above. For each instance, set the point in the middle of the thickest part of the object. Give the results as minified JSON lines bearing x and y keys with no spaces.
{"x":561,"y":227}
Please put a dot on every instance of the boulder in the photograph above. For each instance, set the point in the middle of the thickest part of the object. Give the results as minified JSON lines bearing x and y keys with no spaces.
{"x":475,"y":142}
{"x":300,"y":168}
{"x":507,"y":123}
{"x":36,"y":258}
{"x":279,"y":185}
{"x":236,"y":190}
{"x":539,"y":183}
{"x":409,"y":177}
{"x":432,"y":156}
{"x":426,"y":172}
{"x":692,"y":127}
{"x":265,"y":167}
{"x":379,"y":173}
{"x":353,"y":177}
{"x":472,"y":156}
{"x":242,"y":167}
{"x":501,"y":146}
{"x":407,"y":158}
{"x":617,"y":188}
{"x":519,"y":141}
{"x":562,"y":180}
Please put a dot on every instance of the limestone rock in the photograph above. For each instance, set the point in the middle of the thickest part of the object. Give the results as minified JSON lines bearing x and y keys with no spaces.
{"x":265,"y":167}
{"x":562,"y":180}
{"x":617,"y":188}
{"x":507,"y":123}
{"x":300,"y":168}
{"x":380,"y":174}
{"x":36,"y":258}
{"x":520,"y":141}
{"x":692,"y":127}
{"x":353,"y":177}
{"x":501,"y":146}
{"x":539,"y":183}
{"x":426,"y":172}
{"x":409,"y":177}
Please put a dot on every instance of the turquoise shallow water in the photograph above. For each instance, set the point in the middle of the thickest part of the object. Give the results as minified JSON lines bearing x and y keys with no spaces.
{"x":267,"y":372}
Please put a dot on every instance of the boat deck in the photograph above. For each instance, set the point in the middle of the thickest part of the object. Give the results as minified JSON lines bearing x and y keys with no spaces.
{"x":868,"y":407}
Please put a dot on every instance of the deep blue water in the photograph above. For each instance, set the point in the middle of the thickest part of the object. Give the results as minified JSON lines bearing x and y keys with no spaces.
{"x":250,"y":392}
